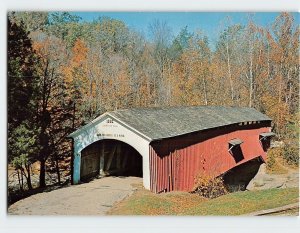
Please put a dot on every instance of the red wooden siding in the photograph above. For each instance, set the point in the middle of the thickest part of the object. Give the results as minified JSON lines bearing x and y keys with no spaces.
{"x":175,"y":162}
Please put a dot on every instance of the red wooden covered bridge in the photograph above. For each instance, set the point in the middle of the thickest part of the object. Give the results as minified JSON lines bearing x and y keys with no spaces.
{"x":170,"y":146}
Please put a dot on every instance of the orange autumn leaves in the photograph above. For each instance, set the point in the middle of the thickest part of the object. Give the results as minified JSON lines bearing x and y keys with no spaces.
{"x":76,"y":69}
{"x":250,"y":66}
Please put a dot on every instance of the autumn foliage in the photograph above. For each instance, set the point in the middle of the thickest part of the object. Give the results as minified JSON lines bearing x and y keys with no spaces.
{"x":209,"y":186}
{"x":83,"y":69}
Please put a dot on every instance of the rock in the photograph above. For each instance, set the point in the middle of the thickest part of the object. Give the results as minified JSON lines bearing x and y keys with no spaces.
{"x":268,"y":178}
{"x":262,"y":180}
{"x":259,"y":183}
{"x":262,"y":169}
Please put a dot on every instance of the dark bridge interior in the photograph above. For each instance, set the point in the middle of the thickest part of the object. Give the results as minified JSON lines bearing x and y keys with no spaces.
{"x":110,"y":157}
{"x":239,"y":177}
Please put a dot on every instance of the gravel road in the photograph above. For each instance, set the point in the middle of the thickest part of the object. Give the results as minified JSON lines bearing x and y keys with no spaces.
{"x":93,"y":198}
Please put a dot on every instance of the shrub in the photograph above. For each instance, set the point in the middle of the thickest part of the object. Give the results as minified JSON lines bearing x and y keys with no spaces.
{"x":291,"y":141}
{"x":209,"y":187}
{"x":291,"y":153}
{"x":275,"y":161}
{"x":273,"y":153}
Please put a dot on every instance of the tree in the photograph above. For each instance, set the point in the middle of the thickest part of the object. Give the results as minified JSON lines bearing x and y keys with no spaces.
{"x":281,"y":99}
{"x":21,"y":74}
{"x":22,"y":84}
{"x":204,"y":69}
{"x":160,"y":34}
{"x":22,"y":145}
{"x":78,"y":70}
{"x":33,"y":21}
{"x":53,"y":112}
{"x":286,"y":63}
{"x":146,"y":79}
{"x":112,"y":34}
{"x":180,"y":43}
{"x":77,"y":82}
{"x":64,"y":26}
{"x":227,"y":49}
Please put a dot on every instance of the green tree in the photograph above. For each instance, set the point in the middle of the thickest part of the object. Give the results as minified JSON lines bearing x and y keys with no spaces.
{"x":22,"y":84}
{"x":64,"y":26}
{"x":21,"y":74}
{"x":22,"y":146}
{"x":180,"y":43}
{"x":33,"y":21}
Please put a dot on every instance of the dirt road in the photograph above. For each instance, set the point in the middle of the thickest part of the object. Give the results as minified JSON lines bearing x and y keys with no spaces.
{"x":93,"y":198}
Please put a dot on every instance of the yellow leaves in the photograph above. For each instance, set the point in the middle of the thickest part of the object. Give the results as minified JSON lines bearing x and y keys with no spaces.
{"x":37,"y":46}
{"x":189,"y":77}
{"x":277,"y":110}
{"x":76,"y":69}
{"x":209,"y":186}
{"x":79,"y":51}
{"x":122,"y":86}
{"x":67,"y":71}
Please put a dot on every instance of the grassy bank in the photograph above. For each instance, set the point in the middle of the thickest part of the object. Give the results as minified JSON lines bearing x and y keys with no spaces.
{"x":143,"y":202}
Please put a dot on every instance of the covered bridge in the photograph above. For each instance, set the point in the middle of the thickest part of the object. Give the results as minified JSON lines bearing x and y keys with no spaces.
{"x":170,"y":146}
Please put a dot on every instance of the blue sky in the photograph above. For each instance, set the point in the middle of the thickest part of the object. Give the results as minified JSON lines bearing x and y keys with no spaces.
{"x":208,"y":22}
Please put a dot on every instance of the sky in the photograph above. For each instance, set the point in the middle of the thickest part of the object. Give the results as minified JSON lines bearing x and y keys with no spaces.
{"x":210,"y":23}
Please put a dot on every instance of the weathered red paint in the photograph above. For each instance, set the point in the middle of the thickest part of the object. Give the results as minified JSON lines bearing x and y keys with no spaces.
{"x":175,"y":162}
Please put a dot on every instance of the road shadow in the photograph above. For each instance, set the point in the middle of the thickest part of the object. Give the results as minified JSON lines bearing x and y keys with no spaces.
{"x":18,"y":195}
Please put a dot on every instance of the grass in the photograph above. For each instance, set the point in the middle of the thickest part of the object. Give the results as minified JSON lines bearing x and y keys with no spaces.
{"x":143,"y":202}
{"x":246,"y":202}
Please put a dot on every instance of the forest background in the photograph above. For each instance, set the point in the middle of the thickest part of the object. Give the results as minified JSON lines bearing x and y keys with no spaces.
{"x":63,"y":72}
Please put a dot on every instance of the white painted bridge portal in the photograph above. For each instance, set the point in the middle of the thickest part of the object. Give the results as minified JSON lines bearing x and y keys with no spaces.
{"x":108,"y":127}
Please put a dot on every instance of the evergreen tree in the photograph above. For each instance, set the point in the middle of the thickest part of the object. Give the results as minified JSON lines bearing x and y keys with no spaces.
{"x":21,"y":74}
{"x":22,"y":83}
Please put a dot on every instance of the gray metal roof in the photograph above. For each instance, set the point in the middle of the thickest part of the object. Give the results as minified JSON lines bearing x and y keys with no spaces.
{"x":270,"y":134}
{"x":158,"y":123}
{"x":235,"y":142}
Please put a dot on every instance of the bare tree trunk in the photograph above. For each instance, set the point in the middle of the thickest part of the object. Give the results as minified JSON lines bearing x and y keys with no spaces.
{"x":205,"y":91}
{"x":22,"y":181}
{"x":251,"y":79}
{"x":57,"y":170}
{"x":268,"y":61}
{"x":28,"y":176}
{"x":42,"y":173}
{"x":229,"y":71}
{"x":19,"y":179}
{"x":279,"y":101}
{"x":289,"y":92}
